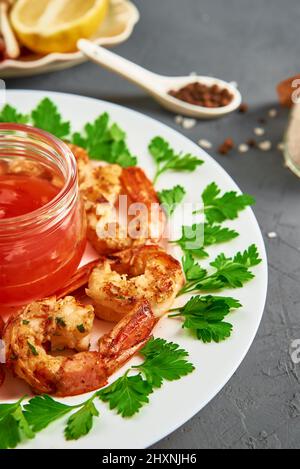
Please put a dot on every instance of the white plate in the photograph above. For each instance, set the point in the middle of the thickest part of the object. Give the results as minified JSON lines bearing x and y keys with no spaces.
{"x":178,"y":401}
{"x":115,"y":29}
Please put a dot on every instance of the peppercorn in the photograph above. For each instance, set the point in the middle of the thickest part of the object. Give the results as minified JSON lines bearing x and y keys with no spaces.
{"x":226,"y":146}
{"x":200,"y":94}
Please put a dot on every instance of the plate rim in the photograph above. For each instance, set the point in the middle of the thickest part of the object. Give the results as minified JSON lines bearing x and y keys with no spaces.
{"x":265,"y":272}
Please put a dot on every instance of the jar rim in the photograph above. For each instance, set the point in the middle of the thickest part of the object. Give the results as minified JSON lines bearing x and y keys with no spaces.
{"x":70,"y":180}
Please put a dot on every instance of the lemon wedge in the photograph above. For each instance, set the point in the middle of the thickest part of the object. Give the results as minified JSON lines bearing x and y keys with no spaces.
{"x":46,"y":26}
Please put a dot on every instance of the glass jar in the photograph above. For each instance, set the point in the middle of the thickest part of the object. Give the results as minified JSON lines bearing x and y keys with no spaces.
{"x":39,"y":250}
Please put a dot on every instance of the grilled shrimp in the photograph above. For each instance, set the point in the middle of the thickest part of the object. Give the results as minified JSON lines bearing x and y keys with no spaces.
{"x":110,"y":228}
{"x":147,"y":272}
{"x":52,"y":325}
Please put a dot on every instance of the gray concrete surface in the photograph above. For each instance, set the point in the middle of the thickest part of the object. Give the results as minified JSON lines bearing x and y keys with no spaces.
{"x":255,"y":43}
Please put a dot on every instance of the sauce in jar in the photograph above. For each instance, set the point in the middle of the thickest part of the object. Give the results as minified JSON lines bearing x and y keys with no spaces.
{"x":42,"y":220}
{"x":23,"y":194}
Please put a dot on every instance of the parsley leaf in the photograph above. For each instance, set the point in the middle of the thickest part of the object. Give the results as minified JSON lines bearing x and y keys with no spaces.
{"x":155,"y":346}
{"x":10,"y":114}
{"x":43,"y":410}
{"x":249,"y":257}
{"x":127,"y":395}
{"x":23,"y":423}
{"x":13,"y":425}
{"x":81,"y":423}
{"x":47,"y":117}
{"x":214,"y":332}
{"x":170,"y":198}
{"x":164,"y":361}
{"x":167,"y":160}
{"x":226,"y":207}
{"x":196,"y":237}
{"x":9,"y":432}
{"x":192,"y":270}
{"x":105,"y":142}
{"x":204,"y":315}
{"x":215,"y":234}
{"x":7,"y":409}
{"x":229,"y":272}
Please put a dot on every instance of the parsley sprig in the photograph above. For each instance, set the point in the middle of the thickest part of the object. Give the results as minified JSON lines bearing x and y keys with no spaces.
{"x":127,"y":395}
{"x":230,"y":272}
{"x":226,"y":207}
{"x":195,"y":238}
{"x":216,"y":209}
{"x":171,"y":198}
{"x":105,"y":141}
{"x":167,"y":160}
{"x":204,"y":316}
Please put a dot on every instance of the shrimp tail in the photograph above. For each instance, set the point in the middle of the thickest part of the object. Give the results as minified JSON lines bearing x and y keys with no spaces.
{"x":128,"y":336}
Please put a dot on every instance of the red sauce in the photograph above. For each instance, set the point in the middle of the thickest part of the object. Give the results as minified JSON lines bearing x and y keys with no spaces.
{"x":35,"y":264}
{"x":21,"y":194}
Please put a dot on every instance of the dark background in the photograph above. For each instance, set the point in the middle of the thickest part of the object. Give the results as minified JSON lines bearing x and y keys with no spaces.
{"x":256,"y":44}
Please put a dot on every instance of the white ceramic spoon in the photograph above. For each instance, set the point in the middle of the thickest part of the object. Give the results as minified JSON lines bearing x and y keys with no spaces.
{"x":158,"y":86}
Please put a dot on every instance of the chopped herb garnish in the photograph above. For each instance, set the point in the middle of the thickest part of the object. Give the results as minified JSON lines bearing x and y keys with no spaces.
{"x":60,"y":321}
{"x":81,"y":328}
{"x":32,"y":349}
{"x":25,"y":322}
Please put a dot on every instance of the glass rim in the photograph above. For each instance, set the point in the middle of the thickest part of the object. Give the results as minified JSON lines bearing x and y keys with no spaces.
{"x":59,"y":148}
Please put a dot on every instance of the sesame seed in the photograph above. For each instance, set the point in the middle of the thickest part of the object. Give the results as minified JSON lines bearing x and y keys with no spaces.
{"x":243,"y":148}
{"x":188,"y":123}
{"x":259,"y":131}
{"x":266,"y":145}
{"x":273,"y":113}
{"x":204,"y":143}
{"x":272,"y":235}
{"x":178,"y":119}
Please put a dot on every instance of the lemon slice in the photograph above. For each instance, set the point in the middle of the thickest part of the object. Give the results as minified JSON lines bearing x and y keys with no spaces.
{"x":46,"y":26}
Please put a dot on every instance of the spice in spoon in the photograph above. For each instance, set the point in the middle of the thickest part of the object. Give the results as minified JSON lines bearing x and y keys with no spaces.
{"x":200,"y":94}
